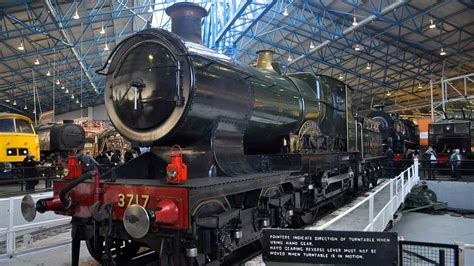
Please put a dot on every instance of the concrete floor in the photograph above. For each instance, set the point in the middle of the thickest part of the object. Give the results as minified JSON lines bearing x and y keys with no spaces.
{"x":444,"y":228}
{"x":57,"y":256}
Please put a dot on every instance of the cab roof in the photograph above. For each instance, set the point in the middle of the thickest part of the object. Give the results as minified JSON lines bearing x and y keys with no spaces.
{"x":17,"y":116}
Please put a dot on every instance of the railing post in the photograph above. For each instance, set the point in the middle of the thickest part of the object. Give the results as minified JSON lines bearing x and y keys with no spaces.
{"x":410,"y":177}
{"x":416,"y":169}
{"x":10,"y":233}
{"x":391,"y":193}
{"x":371,"y":210}
{"x":442,"y":260}
{"x":403,"y":185}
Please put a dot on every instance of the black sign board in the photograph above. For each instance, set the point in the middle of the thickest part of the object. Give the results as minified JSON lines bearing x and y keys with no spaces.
{"x":329,"y":247}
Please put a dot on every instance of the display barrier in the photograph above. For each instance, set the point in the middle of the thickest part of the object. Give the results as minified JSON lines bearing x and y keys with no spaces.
{"x":399,"y":188}
{"x":442,"y":169}
{"x":12,"y":224}
{"x":424,"y":253}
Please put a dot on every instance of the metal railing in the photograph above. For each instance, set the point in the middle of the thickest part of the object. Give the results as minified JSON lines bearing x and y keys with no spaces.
{"x":13,"y":181}
{"x":12,"y":224}
{"x":399,"y":188}
{"x":440,"y":169}
{"x":425,"y":253}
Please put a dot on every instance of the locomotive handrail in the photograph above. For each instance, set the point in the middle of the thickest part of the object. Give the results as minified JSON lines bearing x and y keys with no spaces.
{"x":99,"y":71}
{"x":120,"y":44}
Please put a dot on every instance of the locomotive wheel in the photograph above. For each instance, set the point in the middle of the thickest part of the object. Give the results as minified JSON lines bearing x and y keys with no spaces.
{"x":374,"y":182}
{"x":338,"y":201}
{"x":211,"y":207}
{"x":430,"y":195}
{"x":308,"y":218}
{"x":122,"y":250}
{"x":270,"y":192}
{"x":205,"y":209}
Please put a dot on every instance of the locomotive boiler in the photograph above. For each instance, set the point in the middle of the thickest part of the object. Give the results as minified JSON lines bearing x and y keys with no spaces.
{"x":235,"y":149}
{"x":55,"y":137}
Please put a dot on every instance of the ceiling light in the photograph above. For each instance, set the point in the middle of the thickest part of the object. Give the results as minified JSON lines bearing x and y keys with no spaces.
{"x":72,"y":95}
{"x":357,"y":47}
{"x":289,"y":58}
{"x":354,"y":23}
{"x":432,"y":25}
{"x":102,"y":30}
{"x":341,"y":77}
{"x":21,"y":47}
{"x":62,"y":87}
{"x":311,"y":45}
{"x":285,"y":13}
{"x":368,"y":66}
{"x":7,"y":100}
{"x":76,"y":15}
{"x":419,"y":86}
{"x":80,"y":105}
{"x":77,"y":101}
{"x":48,"y":73}
{"x":442,"y":52}
{"x":106,"y":47}
{"x":14,"y":102}
{"x":388,"y":94}
{"x":66,"y":91}
{"x":57,"y":82}
{"x":37,"y":62}
{"x":26,"y":107}
{"x":34,"y":111}
{"x":150,"y":9}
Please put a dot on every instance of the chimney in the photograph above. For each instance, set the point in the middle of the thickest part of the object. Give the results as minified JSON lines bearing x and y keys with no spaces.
{"x":265,"y":60}
{"x":186,"y":20}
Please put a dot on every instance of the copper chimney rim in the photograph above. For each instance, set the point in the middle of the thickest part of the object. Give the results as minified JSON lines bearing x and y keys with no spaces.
{"x":186,"y":20}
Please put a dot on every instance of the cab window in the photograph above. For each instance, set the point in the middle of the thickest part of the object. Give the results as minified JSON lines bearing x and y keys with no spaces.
{"x":7,"y":125}
{"x":461,"y":128}
{"x":436,"y":129}
{"x":22,"y":126}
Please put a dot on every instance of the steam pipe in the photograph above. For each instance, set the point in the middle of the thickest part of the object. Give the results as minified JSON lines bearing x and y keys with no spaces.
{"x":62,"y":194}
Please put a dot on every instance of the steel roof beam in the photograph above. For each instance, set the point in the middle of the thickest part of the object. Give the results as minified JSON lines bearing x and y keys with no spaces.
{"x":334,"y":56}
{"x":66,"y":36}
{"x":351,"y":29}
{"x":232,"y":21}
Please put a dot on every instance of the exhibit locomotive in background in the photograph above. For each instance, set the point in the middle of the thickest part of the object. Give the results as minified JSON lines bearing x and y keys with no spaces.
{"x":235,"y":149}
